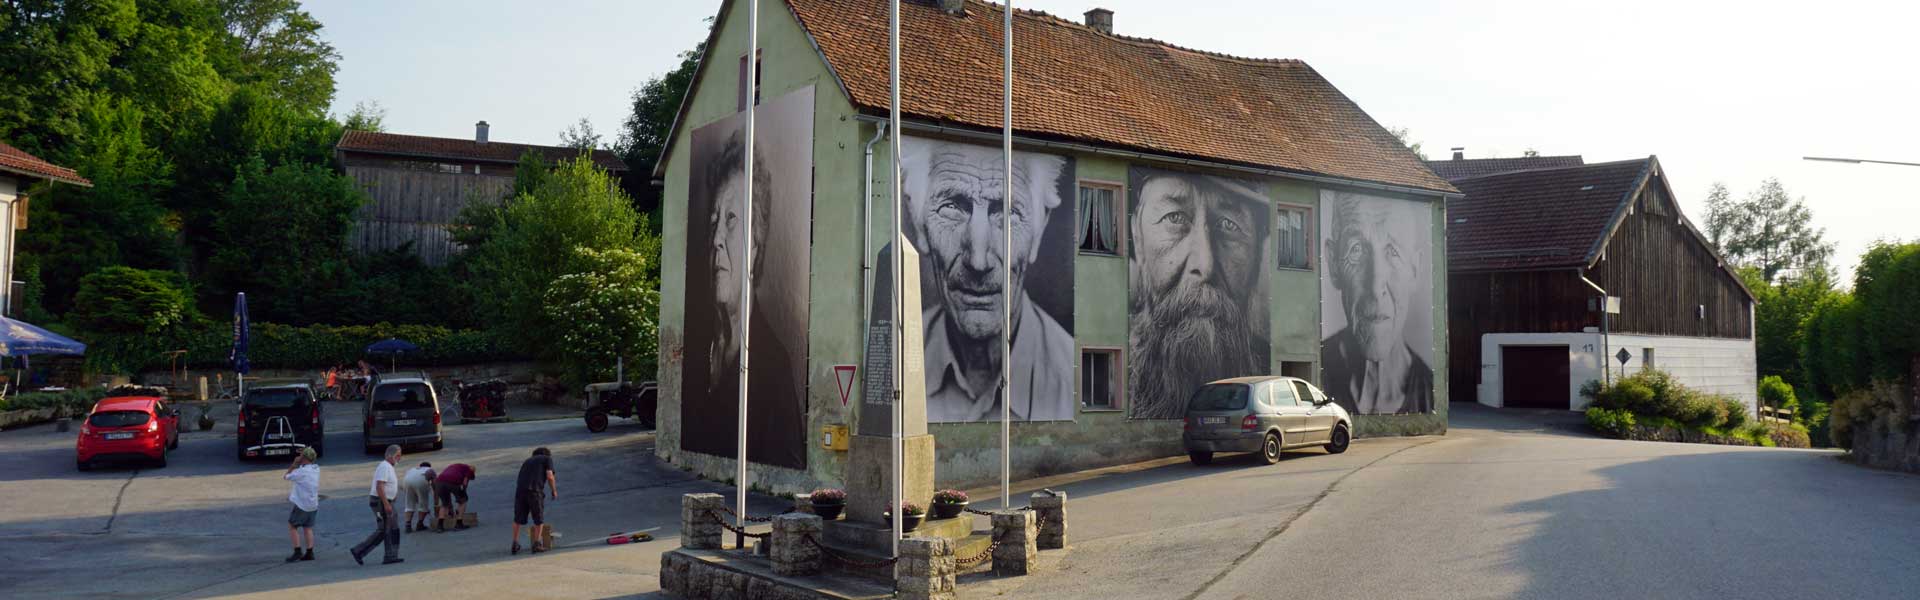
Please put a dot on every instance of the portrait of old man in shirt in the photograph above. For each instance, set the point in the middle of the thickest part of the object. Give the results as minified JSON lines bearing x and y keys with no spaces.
{"x":1377,"y":257}
{"x":1197,"y":304}
{"x":955,"y":197}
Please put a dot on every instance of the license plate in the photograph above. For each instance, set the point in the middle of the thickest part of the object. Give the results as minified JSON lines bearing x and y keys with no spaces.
{"x":406,"y":422}
{"x":279,"y":452}
{"x":126,"y":435}
{"x":1213,"y":420}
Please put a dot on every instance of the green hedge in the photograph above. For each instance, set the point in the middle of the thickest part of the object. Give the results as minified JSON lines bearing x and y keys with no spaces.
{"x":75,"y":401}
{"x":274,"y":346}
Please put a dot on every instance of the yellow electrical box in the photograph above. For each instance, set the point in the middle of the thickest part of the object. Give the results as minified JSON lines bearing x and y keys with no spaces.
{"x":834,"y":437}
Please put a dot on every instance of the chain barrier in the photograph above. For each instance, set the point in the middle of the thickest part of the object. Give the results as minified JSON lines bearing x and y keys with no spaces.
{"x":989,"y":513}
{"x":846,"y":560}
{"x":750,"y":518}
{"x":736,"y":530}
{"x":964,"y":563}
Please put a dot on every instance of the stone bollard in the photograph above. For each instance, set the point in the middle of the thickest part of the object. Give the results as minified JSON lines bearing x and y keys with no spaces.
{"x":925,"y":570}
{"x":803,"y":504}
{"x":1013,"y":537}
{"x":792,"y":553}
{"x":699,"y":521}
{"x":1051,"y":509}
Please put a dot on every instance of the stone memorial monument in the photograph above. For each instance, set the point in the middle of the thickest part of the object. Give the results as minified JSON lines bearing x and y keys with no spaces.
{"x":870,"y":459}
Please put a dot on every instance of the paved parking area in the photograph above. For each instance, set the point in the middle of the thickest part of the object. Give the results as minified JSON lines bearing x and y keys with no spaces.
{"x":210,"y":526}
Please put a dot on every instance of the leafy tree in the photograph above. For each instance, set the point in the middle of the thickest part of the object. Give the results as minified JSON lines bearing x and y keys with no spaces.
{"x":53,"y":55}
{"x":580,"y":136}
{"x":283,"y":240}
{"x":1406,"y":136}
{"x":1780,"y":319}
{"x":275,"y":45}
{"x":252,"y":124}
{"x":1769,"y":229}
{"x":366,"y":116}
{"x":643,"y":136}
{"x":122,"y":300}
{"x":605,"y":311}
{"x":576,"y":206}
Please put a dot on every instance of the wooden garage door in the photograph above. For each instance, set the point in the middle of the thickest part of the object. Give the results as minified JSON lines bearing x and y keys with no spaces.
{"x":1534,"y":377}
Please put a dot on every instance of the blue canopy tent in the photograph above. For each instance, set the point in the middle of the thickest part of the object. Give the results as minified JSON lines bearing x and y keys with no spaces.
{"x":393,"y":348}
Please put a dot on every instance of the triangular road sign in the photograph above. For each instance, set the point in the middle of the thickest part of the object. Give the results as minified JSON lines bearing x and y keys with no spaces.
{"x":843,"y":375}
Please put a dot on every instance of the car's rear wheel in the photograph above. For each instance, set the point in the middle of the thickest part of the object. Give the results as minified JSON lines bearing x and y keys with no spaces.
{"x":1200,"y":457}
{"x":241,"y":454}
{"x":176,"y":442}
{"x":1270,"y":449}
{"x":162,"y":463}
{"x":439,"y":444}
{"x":1338,"y":442}
{"x":83,"y":465}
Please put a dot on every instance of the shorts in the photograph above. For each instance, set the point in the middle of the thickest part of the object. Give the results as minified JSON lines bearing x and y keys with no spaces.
{"x":449,"y":493}
{"x":302,"y":518}
{"x":419,"y":497}
{"x":529,"y":504}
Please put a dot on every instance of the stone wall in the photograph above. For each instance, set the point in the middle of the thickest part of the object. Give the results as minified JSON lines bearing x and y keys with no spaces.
{"x":1888,"y":443}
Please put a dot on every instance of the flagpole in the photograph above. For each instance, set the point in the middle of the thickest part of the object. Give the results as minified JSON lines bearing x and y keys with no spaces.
{"x":746,"y":282}
{"x":899,"y":313}
{"x":1006,"y":269}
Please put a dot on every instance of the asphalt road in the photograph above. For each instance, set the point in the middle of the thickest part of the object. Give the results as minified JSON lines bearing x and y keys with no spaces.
{"x":209,"y":526}
{"x":1501,"y":507}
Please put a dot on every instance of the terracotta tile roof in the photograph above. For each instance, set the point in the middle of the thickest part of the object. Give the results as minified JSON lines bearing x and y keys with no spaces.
{"x":15,"y":160}
{"x":1459,"y":168}
{"x":1538,"y":219}
{"x":1076,"y":84}
{"x":421,"y":146}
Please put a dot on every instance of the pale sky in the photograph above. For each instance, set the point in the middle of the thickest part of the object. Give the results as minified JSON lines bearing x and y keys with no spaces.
{"x":1720,"y":91}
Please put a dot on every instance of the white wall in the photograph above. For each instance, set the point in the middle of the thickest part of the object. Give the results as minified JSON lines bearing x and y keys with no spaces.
{"x":1716,"y":365}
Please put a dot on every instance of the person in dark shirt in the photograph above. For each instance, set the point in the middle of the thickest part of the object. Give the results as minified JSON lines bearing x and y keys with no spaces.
{"x":529,"y":498}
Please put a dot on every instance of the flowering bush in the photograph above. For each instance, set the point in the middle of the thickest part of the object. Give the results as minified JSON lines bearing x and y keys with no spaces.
{"x":949,"y":497}
{"x":830,"y":496}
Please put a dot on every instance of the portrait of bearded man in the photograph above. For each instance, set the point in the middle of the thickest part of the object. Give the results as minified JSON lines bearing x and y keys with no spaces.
{"x":1197,"y":304}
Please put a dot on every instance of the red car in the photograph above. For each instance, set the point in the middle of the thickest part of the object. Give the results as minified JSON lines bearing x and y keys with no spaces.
{"x":134,"y":427}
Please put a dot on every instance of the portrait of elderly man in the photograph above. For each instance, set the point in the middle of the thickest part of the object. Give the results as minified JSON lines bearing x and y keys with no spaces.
{"x":954,"y":194}
{"x":1377,"y":250}
{"x":1197,"y":304}
{"x":718,"y":262}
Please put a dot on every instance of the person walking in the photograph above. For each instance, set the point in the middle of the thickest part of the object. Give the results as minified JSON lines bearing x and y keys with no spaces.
{"x":305,"y":497}
{"x":418,"y":484}
{"x":451,"y":485}
{"x":386,"y":486}
{"x":529,"y":501}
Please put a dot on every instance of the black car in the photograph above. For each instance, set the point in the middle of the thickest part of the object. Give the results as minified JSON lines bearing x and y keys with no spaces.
{"x":278,"y":421}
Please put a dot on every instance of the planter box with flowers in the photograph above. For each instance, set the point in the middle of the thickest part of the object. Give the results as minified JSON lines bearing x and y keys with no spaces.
{"x":948,"y":504}
{"x":910,"y":518}
{"x":829,"y":502}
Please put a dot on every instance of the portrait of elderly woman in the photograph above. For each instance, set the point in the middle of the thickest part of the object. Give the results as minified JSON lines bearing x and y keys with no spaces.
{"x":769,"y":330}
{"x":954,"y":195}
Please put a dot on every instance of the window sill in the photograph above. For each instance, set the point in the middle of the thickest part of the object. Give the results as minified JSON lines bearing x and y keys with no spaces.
{"x":1100,"y":254}
{"x":1296,"y":269}
{"x":1099,"y":409}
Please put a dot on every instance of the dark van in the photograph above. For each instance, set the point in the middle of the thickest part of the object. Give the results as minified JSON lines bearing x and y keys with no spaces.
{"x":402,"y":411}
{"x":279,"y":420}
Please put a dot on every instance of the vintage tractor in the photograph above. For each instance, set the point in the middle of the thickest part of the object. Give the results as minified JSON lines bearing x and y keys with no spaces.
{"x":626,"y":400}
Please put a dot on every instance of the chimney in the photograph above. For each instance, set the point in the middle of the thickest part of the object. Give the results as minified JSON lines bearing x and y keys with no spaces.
{"x":954,"y":7}
{"x":1100,"y":20}
{"x":1459,"y":152}
{"x":480,"y":132}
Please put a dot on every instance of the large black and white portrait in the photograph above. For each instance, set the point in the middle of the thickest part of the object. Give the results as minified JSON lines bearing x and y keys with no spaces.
{"x":954,"y":196}
{"x":717,"y":265}
{"x":1197,"y":298}
{"x":1376,"y":302}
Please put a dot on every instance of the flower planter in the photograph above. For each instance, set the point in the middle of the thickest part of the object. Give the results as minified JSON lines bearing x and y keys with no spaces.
{"x":829,"y":512}
{"x":948,"y":510}
{"x":907,"y":523}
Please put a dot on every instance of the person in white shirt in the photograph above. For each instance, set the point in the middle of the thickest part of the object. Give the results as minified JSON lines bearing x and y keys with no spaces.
{"x":386,"y":488}
{"x":305,"y":497}
{"x":418,"y":484}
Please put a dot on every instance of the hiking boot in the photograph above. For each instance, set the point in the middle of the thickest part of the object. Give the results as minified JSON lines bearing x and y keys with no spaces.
{"x":308,"y":555}
{"x":409,"y":527}
{"x":391,"y":561}
{"x":296,"y":555}
{"x":516,"y":548}
{"x":537,"y":548}
{"x":357,"y":559}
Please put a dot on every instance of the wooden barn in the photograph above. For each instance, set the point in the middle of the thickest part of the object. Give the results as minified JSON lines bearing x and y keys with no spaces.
{"x":1561,"y":272}
{"x":416,"y":185}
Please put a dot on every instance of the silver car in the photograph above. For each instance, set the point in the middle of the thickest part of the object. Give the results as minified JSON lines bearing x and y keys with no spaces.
{"x":1266,"y":415}
{"x":401,"y":411}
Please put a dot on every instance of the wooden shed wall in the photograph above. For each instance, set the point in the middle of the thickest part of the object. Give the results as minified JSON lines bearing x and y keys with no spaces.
{"x":413,"y":206}
{"x":1663,"y":275}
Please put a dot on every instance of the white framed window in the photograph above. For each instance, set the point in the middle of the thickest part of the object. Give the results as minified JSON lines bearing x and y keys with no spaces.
{"x":1100,"y":218}
{"x":740,"y":96}
{"x":1100,"y":383}
{"x":1293,"y":237}
{"x":448,"y":168}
